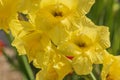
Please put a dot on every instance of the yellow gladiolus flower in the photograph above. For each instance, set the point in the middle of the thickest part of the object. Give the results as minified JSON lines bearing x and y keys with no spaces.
{"x":60,"y":11}
{"x":87,"y":46}
{"x":111,"y":68}
{"x":65,"y":15}
{"x":44,"y":55}
{"x":83,"y":6}
{"x":19,"y":29}
{"x":56,"y":66}
{"x":8,"y":9}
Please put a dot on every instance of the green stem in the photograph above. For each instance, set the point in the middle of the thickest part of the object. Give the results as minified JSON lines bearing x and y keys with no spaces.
{"x":27,"y":67}
{"x":92,"y":75}
{"x":24,"y":66}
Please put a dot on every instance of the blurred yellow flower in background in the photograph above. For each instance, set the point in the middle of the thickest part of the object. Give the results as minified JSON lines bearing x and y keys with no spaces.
{"x":8,"y":8}
{"x":111,"y":67}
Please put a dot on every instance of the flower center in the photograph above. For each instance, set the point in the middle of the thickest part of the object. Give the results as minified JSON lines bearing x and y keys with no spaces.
{"x":55,"y":14}
{"x":81,"y":44}
{"x":59,"y":10}
{"x":108,"y":77}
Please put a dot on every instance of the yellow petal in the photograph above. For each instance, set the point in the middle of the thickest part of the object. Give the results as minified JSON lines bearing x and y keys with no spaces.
{"x":27,"y":26}
{"x":50,"y":16}
{"x":86,"y":36}
{"x":95,"y":54}
{"x":58,"y":34}
{"x":19,"y":45}
{"x":69,"y":49}
{"x":70,"y":4}
{"x":15,"y":27}
{"x":35,"y":43}
{"x":29,"y":5}
{"x":18,"y":31}
{"x":86,"y":22}
{"x":82,"y":65}
{"x":48,"y":73}
{"x":1,"y":3}
{"x":82,"y":5}
{"x":85,"y":5}
{"x":56,"y":68}
{"x":108,"y":60}
{"x":114,"y":72}
{"x":104,"y":36}
{"x":44,"y":20}
{"x":111,"y":68}
{"x":7,"y":11}
{"x":62,"y":65}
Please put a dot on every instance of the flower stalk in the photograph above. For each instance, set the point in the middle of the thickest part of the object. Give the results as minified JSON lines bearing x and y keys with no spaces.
{"x":93,"y":77}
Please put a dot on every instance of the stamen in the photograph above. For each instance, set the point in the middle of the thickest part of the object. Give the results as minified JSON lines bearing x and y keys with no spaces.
{"x":55,"y":14}
{"x":81,"y":44}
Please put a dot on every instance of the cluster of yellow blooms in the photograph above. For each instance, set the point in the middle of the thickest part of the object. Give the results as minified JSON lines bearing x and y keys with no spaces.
{"x":58,"y":37}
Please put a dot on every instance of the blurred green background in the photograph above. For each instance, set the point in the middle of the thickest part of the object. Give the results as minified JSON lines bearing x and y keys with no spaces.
{"x":107,"y":13}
